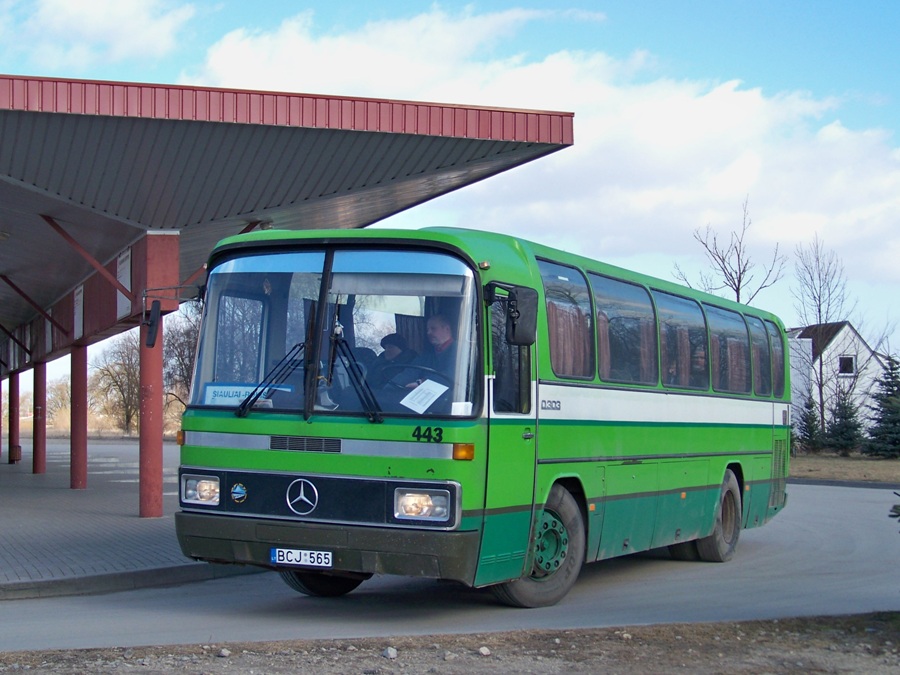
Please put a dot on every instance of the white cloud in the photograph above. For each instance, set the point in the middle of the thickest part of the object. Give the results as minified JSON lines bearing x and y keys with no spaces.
{"x":77,"y":34}
{"x":381,"y":59}
{"x":653,"y":159}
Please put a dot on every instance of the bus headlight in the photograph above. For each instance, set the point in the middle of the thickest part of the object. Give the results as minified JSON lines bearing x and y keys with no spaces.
{"x":200,"y":490}
{"x":421,"y":504}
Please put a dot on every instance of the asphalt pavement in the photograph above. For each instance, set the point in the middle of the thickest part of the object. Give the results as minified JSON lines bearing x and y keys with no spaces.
{"x":58,"y":541}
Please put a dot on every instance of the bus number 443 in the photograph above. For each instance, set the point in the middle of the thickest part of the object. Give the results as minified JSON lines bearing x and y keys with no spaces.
{"x":428,"y":434}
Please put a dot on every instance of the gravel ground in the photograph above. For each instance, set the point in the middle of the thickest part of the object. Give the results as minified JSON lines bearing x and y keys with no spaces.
{"x":852,"y":644}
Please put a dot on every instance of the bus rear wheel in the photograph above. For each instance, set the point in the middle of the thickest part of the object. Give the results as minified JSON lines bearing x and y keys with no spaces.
{"x":684,"y":550}
{"x":322,"y":585}
{"x":558,"y":555}
{"x":721,"y":544}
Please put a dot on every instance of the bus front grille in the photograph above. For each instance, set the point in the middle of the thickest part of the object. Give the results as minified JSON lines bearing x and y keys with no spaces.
{"x":305,"y":444}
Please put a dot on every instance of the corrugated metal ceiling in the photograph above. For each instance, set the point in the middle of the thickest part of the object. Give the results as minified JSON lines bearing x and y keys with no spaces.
{"x":110,"y":161}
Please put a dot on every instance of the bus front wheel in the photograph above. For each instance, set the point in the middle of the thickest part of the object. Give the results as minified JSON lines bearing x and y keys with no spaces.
{"x":558,"y":555}
{"x":322,"y":585}
{"x":721,"y":544}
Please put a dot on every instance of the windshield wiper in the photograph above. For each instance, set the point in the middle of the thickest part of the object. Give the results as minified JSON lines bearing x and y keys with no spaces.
{"x":286,"y":365}
{"x":354,"y":373}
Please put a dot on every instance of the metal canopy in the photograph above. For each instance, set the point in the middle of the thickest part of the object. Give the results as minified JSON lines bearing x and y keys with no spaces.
{"x":110,"y":161}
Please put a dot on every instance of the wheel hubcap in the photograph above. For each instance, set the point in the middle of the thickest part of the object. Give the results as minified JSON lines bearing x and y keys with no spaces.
{"x":552,"y":545}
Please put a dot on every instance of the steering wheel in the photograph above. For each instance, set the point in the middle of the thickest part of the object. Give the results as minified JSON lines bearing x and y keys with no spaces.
{"x":430,"y":373}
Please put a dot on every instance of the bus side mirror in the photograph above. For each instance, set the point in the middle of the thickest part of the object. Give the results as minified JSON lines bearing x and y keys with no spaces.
{"x":152,"y":322}
{"x":521,"y":316}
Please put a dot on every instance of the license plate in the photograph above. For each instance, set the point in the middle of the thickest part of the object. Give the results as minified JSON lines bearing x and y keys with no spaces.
{"x":300,"y":557}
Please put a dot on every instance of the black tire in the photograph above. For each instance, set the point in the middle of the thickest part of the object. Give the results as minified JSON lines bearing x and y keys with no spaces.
{"x":684,"y":550}
{"x":721,"y":544}
{"x":558,"y":557}
{"x":322,"y":585}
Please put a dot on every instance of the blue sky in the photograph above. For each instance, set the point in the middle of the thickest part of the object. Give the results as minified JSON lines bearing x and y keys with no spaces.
{"x":829,"y":47}
{"x":682,"y":109}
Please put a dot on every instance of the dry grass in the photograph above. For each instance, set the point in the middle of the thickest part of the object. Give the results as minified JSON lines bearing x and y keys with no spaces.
{"x":853,"y":468}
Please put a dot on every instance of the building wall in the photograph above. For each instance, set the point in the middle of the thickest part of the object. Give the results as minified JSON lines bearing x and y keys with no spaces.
{"x":800,"y":350}
{"x":861,"y":383}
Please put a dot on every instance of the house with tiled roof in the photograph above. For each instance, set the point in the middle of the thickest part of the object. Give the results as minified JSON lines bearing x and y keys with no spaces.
{"x":828,"y":358}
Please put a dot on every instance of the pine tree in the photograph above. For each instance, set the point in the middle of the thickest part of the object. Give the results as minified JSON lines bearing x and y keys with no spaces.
{"x":844,"y":430}
{"x":884,"y":434}
{"x":809,"y":432}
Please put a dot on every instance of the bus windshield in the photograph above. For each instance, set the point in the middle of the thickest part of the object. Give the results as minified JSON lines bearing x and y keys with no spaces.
{"x":395,"y":334}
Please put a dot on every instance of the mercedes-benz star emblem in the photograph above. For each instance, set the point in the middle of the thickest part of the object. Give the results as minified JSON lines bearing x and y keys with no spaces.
{"x":302,"y":497}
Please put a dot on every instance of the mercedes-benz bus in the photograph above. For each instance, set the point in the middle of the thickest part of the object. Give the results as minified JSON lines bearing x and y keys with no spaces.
{"x":550,"y":411}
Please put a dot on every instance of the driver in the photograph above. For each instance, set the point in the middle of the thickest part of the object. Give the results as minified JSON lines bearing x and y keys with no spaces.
{"x":441,"y":354}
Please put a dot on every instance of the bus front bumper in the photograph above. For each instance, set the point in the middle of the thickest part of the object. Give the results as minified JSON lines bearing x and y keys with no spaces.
{"x":367,"y":550}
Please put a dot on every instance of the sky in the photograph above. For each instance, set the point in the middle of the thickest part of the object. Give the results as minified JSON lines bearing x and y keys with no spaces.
{"x":683,"y":111}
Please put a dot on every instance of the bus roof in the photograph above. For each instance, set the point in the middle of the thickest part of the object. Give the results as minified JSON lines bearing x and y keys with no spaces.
{"x":498,"y":256}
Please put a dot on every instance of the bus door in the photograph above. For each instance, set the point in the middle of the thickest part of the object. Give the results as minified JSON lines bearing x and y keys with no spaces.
{"x":512,"y":453}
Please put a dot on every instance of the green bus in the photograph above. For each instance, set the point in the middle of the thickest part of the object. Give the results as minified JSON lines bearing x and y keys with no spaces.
{"x":470,"y":406}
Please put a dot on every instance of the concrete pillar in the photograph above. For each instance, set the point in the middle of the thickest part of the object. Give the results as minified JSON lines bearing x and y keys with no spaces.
{"x":79,"y":419}
{"x":15,"y":448}
{"x":151,"y":434}
{"x":39,"y":421}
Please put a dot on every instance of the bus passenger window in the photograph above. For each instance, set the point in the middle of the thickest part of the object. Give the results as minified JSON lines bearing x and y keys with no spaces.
{"x":682,"y":342}
{"x":762,"y":358}
{"x":569,"y":321}
{"x":626,"y":335}
{"x":731,"y":350}
{"x":775,"y":340}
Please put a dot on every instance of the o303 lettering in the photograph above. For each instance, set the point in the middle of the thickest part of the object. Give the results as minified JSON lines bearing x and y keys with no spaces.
{"x":550,"y":404}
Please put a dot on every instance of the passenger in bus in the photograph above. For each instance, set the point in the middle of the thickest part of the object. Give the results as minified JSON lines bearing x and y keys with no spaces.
{"x":670,"y":377}
{"x":396,"y":352}
{"x":693,"y":373}
{"x":699,"y":372}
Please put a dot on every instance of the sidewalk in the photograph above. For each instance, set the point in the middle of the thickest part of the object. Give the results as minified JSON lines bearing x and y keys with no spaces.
{"x":58,"y":541}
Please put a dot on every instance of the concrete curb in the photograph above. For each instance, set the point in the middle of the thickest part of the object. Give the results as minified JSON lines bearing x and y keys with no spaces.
{"x":122,"y":581}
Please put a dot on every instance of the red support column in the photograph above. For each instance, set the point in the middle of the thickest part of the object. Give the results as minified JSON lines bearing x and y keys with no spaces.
{"x":79,"y":417}
{"x":15,"y":449}
{"x":39,"y":420}
{"x":151,"y":435}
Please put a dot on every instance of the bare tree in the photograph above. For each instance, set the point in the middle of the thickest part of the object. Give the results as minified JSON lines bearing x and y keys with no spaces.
{"x":115,"y":385}
{"x":179,"y":349}
{"x":820,"y":295}
{"x":820,"y":298}
{"x":732,"y":266}
{"x":59,"y":397}
{"x":26,"y":402}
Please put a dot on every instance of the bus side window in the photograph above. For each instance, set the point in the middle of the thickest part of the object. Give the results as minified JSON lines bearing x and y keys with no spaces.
{"x":682,"y":342}
{"x":777,"y":344}
{"x":762,"y":357}
{"x":512,"y":366}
